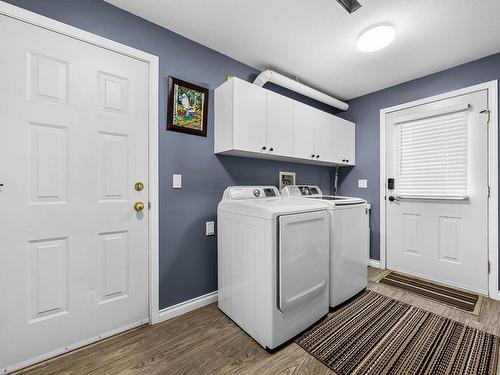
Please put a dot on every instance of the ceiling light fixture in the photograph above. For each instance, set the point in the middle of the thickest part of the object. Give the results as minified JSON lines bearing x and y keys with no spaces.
{"x":376,"y":37}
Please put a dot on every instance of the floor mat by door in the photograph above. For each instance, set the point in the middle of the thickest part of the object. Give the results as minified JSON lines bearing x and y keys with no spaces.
{"x":457,"y":298}
{"x":374,"y":334}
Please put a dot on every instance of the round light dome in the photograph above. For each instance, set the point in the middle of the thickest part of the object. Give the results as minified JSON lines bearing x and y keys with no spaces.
{"x":376,"y":38}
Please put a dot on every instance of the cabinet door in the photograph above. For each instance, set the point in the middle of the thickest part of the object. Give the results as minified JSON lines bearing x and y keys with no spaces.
{"x":304,"y":129}
{"x":343,"y":141}
{"x":350,"y":142}
{"x":250,"y":118}
{"x":279,"y":124}
{"x":323,"y":146}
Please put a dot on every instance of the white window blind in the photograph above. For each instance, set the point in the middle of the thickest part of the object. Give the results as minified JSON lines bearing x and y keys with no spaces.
{"x":431,"y":156}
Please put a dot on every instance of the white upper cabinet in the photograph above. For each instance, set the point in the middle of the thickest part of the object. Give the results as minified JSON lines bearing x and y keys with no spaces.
{"x":279,"y":124}
{"x":240,"y":117}
{"x":343,"y":140}
{"x":255,"y":122}
{"x":304,"y":125}
{"x":323,"y":148}
{"x":250,"y":116}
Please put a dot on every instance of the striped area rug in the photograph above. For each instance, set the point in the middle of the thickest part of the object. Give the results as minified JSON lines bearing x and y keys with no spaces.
{"x":375,"y":334}
{"x":457,"y":298}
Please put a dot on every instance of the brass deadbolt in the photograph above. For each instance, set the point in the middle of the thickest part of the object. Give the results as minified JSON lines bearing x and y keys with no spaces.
{"x":139,"y":186}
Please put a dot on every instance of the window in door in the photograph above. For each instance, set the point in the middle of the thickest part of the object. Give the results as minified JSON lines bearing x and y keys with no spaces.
{"x":431,"y":155}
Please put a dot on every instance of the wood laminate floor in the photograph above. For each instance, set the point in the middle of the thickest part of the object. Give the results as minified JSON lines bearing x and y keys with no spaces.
{"x":205,"y":341}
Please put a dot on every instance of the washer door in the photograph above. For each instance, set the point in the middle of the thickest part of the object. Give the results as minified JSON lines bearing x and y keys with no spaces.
{"x":349,"y":260}
{"x":303,"y":258}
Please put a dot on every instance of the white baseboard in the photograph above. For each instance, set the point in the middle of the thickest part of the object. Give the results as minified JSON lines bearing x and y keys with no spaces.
{"x":374,"y":263}
{"x":187,"y":306}
{"x":495,"y":296}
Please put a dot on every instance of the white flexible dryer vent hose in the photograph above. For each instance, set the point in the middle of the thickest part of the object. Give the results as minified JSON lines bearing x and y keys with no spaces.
{"x":281,"y":80}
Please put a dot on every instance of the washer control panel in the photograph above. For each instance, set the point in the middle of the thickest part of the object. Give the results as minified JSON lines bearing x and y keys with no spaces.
{"x":301,"y":190}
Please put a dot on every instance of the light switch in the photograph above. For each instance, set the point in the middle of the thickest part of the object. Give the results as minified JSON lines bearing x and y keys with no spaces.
{"x":363,"y":184}
{"x":210,"y":228}
{"x":177,"y":181}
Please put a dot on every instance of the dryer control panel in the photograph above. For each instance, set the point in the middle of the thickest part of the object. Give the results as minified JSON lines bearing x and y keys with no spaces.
{"x":251,"y":192}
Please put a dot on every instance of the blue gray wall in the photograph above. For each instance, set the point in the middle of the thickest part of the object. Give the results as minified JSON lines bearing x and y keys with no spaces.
{"x":365,"y":112}
{"x":188,"y":258}
{"x":188,"y":262}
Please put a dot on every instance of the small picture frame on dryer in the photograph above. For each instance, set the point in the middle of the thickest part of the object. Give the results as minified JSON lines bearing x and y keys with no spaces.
{"x":286,"y":178}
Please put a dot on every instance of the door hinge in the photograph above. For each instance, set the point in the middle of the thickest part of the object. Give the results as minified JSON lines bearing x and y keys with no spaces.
{"x":149,"y":205}
{"x":488,"y":115}
{"x":489,"y":191}
{"x":489,"y":267}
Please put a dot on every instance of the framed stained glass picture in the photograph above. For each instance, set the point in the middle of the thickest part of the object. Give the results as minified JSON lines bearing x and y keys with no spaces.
{"x":187,"y":107}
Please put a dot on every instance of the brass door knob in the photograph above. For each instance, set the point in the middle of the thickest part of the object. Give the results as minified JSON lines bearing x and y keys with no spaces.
{"x":138,"y":206}
{"x":139,"y":186}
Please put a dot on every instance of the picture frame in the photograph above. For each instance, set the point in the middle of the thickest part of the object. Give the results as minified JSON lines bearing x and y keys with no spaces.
{"x":286,"y":178}
{"x":187,"y":107}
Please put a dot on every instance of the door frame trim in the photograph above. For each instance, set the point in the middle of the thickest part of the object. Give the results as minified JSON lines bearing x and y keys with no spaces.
{"x":493,"y":252}
{"x":38,"y":20}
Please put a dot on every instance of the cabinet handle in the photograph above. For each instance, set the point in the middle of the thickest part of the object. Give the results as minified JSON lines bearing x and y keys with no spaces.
{"x":347,"y":160}
{"x":271,"y":149}
{"x":343,"y":160}
{"x":317,"y":156}
{"x":312,"y":156}
{"x":263,"y":147}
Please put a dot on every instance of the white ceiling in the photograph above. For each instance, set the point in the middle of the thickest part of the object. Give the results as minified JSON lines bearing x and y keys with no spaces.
{"x":315,"y":40}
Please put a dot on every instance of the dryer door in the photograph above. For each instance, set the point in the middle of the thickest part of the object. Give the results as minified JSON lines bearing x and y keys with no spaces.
{"x":303,"y":258}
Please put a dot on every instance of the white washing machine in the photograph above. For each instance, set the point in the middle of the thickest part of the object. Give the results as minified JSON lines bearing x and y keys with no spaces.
{"x":348,"y":241}
{"x":272,"y":262}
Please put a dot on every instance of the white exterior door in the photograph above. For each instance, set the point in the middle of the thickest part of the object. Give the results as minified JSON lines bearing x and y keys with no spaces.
{"x":437,"y":213}
{"x":73,"y":252}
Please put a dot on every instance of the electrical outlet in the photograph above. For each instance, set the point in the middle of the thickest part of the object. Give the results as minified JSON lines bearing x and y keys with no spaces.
{"x":210,"y":228}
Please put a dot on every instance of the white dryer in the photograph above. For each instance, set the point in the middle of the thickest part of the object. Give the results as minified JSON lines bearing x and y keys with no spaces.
{"x":348,"y":241}
{"x":272,"y":262}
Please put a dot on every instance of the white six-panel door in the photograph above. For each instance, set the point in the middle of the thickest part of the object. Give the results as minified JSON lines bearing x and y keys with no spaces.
{"x":74,"y":141}
{"x":442,"y":239}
